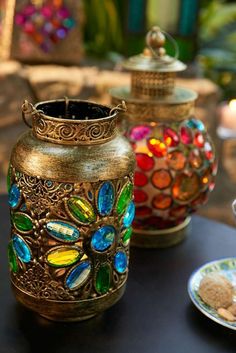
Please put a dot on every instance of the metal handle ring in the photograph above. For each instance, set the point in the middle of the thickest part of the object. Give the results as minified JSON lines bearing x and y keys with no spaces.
{"x":174,"y":43}
{"x":119,"y":108}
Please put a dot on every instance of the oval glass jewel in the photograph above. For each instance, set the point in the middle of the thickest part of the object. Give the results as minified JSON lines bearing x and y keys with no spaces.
{"x":171,"y":138}
{"x":106,"y":198}
{"x":140,"y":132}
{"x":62,"y":231}
{"x":22,"y":222}
{"x":103,"y":279}
{"x":9,"y":176}
{"x":127,"y":235}
{"x":157,"y":147}
{"x":81,"y":209}
{"x":12,"y":258}
{"x":129,"y":215}
{"x":103,"y":238}
{"x":63,"y":256}
{"x":195,"y":124}
{"x":14,"y":196}
{"x":124,"y":198}
{"x":120,"y":261}
{"x":21,"y":248}
{"x":78,"y":275}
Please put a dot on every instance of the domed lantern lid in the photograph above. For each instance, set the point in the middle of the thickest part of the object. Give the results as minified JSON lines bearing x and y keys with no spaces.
{"x":153,"y":72}
{"x":154,"y":57}
{"x":153,"y":75}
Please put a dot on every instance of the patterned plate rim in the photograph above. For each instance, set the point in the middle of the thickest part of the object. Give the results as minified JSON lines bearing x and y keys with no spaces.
{"x":196,"y":300}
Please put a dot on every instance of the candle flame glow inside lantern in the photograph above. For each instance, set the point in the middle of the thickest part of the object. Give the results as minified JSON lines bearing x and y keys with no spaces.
{"x":175,"y":156}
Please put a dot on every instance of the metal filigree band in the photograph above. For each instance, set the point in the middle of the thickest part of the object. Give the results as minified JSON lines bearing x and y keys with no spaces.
{"x":78,"y":123}
{"x":74,"y":132}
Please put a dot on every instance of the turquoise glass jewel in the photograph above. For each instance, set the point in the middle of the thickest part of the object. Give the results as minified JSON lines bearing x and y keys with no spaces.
{"x":103,"y":238}
{"x":62,"y":231}
{"x":195,"y":124}
{"x":14,"y":196}
{"x":120,"y":261}
{"x":21,"y":248}
{"x":78,"y":275}
{"x":106,"y":198}
{"x":129,"y":215}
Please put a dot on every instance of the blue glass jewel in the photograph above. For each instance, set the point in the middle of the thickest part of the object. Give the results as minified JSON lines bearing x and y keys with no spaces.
{"x":196,"y":124}
{"x":78,"y":275}
{"x":103,"y":238}
{"x":14,"y":196}
{"x":62,"y":231}
{"x":21,"y":248}
{"x":106,"y":198}
{"x":120,"y":261}
{"x":129,"y":215}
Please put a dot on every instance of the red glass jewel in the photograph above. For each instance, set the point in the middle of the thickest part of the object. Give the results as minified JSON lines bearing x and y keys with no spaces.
{"x":199,"y":140}
{"x":142,"y":211}
{"x":140,"y":196}
{"x":208,"y":151}
{"x":140,"y":179}
{"x":186,"y":135}
{"x":144,"y":161}
{"x":171,"y":138}
{"x":157,"y":147}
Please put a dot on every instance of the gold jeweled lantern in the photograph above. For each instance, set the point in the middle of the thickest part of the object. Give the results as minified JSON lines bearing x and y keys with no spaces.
{"x":70,"y":188}
{"x":175,"y":156}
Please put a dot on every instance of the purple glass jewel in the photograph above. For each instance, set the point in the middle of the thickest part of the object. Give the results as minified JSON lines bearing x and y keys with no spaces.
{"x":139,"y":132}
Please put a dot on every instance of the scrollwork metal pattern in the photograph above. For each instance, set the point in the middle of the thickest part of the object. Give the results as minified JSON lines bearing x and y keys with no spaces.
{"x":74,"y":132}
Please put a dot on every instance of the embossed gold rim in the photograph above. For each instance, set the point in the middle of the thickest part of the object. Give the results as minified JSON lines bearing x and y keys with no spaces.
{"x":72,"y":130}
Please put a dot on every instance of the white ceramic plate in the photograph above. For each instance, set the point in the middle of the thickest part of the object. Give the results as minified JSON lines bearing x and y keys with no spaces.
{"x":225,"y":267}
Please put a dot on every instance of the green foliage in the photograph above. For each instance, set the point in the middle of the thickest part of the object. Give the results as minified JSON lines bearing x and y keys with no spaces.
{"x":102,"y":26}
{"x":214,"y":17}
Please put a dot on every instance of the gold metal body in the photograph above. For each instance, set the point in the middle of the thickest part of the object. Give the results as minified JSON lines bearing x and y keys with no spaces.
{"x":68,"y":155}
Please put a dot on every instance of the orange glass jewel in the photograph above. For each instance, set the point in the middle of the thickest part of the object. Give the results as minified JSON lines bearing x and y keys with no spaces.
{"x":195,"y":159}
{"x":186,"y":187}
{"x":176,"y":160}
{"x":162,"y":201}
{"x":161,"y":179}
{"x":207,"y":176}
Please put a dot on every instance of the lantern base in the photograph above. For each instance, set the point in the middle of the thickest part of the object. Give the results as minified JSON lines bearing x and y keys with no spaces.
{"x":68,"y":311}
{"x":163,"y":238}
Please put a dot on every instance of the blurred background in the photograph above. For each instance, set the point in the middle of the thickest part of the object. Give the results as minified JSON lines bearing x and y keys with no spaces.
{"x":55,"y":48}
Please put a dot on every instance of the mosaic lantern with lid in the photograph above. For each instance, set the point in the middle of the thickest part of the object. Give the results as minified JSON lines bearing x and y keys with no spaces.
{"x":70,"y":187}
{"x":175,"y":156}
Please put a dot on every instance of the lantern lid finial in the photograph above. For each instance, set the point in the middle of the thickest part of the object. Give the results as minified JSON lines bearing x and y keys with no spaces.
{"x":154,"y":57}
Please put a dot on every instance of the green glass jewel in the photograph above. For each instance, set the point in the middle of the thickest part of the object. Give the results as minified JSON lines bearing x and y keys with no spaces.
{"x":124,"y":198}
{"x":9,"y":175}
{"x":127,"y":235}
{"x":81,"y":209}
{"x":22,"y":222}
{"x":103,"y":279}
{"x":12,"y":258}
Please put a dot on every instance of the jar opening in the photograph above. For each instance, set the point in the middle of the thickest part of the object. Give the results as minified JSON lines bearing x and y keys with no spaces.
{"x":73,"y":110}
